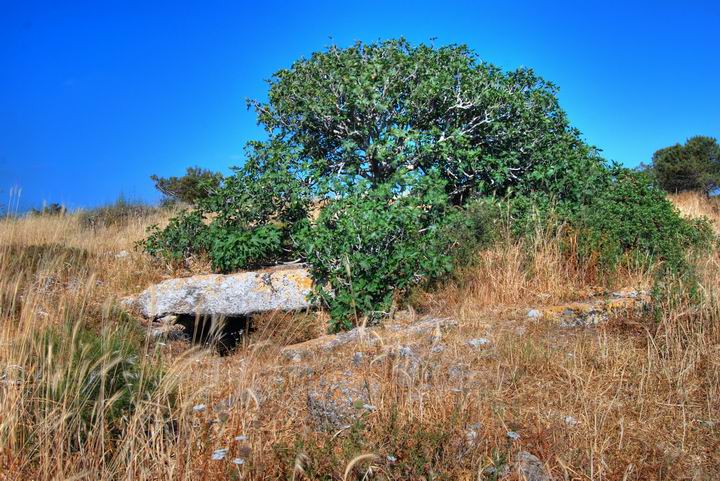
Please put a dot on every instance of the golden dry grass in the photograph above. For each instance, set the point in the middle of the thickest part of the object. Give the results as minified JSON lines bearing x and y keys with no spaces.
{"x":635,"y":399}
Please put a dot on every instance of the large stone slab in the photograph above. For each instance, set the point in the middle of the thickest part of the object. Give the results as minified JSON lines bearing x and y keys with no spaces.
{"x":228,"y":295}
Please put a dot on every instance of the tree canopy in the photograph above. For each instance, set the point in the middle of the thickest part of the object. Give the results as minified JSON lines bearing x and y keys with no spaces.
{"x":383,"y":163}
{"x":196,"y":184}
{"x":374,"y":111}
{"x":692,"y":166}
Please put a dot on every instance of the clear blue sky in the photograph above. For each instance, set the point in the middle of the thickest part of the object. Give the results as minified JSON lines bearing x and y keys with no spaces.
{"x":97,"y":96}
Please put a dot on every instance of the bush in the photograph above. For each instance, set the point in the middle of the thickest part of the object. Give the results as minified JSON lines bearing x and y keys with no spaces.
{"x":692,"y":166}
{"x":381,"y":163}
{"x":85,"y":377}
{"x":118,"y":214}
{"x":53,"y":209}
{"x":373,"y":244}
{"x":185,"y":235}
{"x":249,"y":220}
{"x":632,"y":219}
{"x":195,"y":185}
{"x":233,"y":249}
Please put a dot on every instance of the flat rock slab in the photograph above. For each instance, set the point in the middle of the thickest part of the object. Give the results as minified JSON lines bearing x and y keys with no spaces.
{"x":238,"y":294}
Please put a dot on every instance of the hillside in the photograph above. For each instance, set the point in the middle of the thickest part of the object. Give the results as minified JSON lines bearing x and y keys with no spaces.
{"x":527,"y":350}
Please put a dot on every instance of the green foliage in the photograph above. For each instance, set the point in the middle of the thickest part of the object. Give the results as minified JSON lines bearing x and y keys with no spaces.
{"x":366,"y":246}
{"x":631,"y":215}
{"x":195,"y":185}
{"x":269,"y":188}
{"x":185,"y":235}
{"x":53,"y":209}
{"x":94,"y":377}
{"x":381,"y":168}
{"x":232,"y":249}
{"x":693,"y":166}
{"x":248,"y":220}
{"x":373,"y":110}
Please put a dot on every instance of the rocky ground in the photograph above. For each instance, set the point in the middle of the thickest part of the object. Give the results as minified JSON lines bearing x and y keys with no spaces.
{"x":524,"y":365}
{"x":332,"y":384}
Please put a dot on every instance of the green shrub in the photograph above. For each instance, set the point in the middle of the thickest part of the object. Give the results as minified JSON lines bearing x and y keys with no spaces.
{"x":197,"y":184}
{"x":369,"y":245}
{"x":382,"y":164}
{"x":248,"y":220}
{"x":631,"y":219}
{"x":118,"y":214}
{"x":85,"y":377}
{"x":185,"y":235}
{"x":53,"y":209}
{"x":692,"y":166}
{"x":233,"y":249}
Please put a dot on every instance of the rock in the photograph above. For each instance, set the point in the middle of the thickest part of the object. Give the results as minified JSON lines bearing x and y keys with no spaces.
{"x":122,"y":255}
{"x":534,"y":314}
{"x":347,"y":337}
{"x":294,"y":355}
{"x":437,"y":348}
{"x":497,"y":472}
{"x":366,"y":336}
{"x":165,"y":328}
{"x":530,"y":468}
{"x":336,"y":405}
{"x":219,"y":454}
{"x":228,"y":295}
{"x":479,"y":342}
{"x":512,"y":435}
{"x":430,"y":324}
{"x":357,"y":359}
{"x":405,"y":351}
{"x":570,"y":421}
{"x":589,"y":317}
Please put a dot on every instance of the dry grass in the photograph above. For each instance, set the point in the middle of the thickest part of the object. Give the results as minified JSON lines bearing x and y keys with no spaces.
{"x":636,"y":399}
{"x":694,"y":204}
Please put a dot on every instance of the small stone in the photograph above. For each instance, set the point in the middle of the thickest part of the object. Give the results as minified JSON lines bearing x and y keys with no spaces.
{"x":357,"y":359}
{"x":479,"y":342}
{"x":122,"y":255}
{"x":513,"y":436}
{"x":457,"y":372}
{"x":219,"y":454}
{"x":437,"y":348}
{"x":293,"y":355}
{"x":198,"y":408}
{"x":534,"y":314}
{"x":497,"y":472}
{"x":391,"y":458}
{"x":570,"y":421}
{"x":238,"y":461}
{"x":405,"y":351}
{"x":369,"y":407}
{"x":241,"y":438}
{"x":707,"y":424}
{"x":337,"y":405}
{"x":530,"y":468}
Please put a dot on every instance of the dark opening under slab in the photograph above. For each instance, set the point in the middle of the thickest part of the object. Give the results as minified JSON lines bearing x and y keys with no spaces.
{"x":224,"y":333}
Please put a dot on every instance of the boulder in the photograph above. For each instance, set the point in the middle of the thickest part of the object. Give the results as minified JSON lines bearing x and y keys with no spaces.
{"x":285,"y":288}
{"x":529,"y":468}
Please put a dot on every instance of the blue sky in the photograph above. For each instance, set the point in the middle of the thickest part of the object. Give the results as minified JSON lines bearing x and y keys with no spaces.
{"x":97,"y":96}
